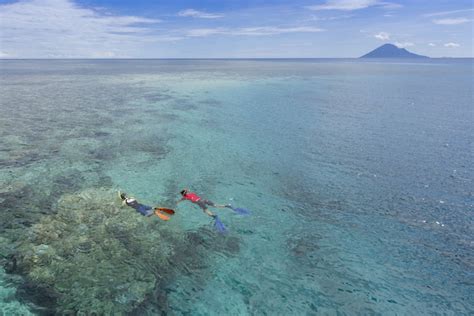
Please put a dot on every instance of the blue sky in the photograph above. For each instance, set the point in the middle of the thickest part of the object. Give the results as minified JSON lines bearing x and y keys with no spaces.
{"x":231,"y":28}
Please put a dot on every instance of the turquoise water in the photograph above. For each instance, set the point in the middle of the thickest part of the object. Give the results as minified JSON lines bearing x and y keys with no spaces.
{"x":359,"y":176}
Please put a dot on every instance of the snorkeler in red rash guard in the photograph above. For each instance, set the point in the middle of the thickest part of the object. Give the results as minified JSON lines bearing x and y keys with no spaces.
{"x":203,"y":203}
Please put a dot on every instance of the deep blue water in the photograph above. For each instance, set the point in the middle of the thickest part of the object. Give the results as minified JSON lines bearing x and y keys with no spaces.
{"x":359,"y":175}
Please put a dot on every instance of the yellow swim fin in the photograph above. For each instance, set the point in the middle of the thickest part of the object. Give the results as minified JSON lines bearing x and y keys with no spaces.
{"x":162,"y":216}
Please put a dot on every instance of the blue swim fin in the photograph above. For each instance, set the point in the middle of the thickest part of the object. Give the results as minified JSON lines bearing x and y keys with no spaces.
{"x":239,"y":210}
{"x":219,"y":225}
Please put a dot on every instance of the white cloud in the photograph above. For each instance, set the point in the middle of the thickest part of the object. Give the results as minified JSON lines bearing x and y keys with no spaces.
{"x":199,"y":14}
{"x":390,"y":5}
{"x":60,"y":28}
{"x":205,"y":32}
{"x":451,"y":45}
{"x":269,"y":30}
{"x":453,"y":21}
{"x":252,"y":31}
{"x":404,"y":44}
{"x":447,"y":12}
{"x":330,"y":18}
{"x":4,"y":55}
{"x":383,"y":36}
{"x":432,"y":44}
{"x":349,"y":5}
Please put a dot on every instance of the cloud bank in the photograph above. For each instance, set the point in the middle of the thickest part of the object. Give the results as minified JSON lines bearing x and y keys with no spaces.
{"x":62,"y":29}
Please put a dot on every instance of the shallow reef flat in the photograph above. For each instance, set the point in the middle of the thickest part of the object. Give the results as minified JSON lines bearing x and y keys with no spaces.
{"x":91,"y":256}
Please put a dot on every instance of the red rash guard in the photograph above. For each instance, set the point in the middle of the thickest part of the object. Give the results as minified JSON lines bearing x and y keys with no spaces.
{"x":191,"y":196}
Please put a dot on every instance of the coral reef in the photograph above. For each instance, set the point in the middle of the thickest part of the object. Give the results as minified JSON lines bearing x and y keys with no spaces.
{"x":8,"y":304}
{"x":92,"y":256}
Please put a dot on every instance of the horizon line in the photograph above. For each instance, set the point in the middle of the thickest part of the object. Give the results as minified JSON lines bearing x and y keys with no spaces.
{"x":220,"y":58}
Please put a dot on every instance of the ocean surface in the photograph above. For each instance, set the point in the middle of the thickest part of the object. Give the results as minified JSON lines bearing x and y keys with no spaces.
{"x":358,"y":174}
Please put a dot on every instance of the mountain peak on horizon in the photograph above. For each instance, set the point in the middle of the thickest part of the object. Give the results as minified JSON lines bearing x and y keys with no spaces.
{"x":391,"y":51}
